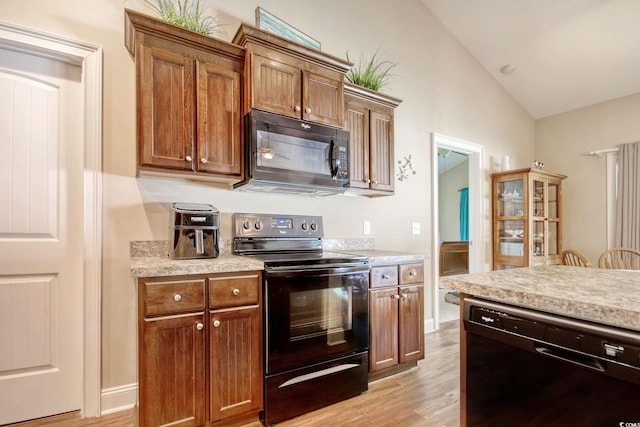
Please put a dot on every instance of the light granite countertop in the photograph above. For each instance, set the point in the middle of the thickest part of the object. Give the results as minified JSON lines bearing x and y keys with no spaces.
{"x":381,"y":257}
{"x":604,"y":296}
{"x":150,"y":259}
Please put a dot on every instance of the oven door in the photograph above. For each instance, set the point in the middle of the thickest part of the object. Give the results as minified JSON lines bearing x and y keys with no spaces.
{"x":314,"y":314}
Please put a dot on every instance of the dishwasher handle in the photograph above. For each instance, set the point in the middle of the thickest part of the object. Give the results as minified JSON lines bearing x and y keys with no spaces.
{"x":580,"y":360}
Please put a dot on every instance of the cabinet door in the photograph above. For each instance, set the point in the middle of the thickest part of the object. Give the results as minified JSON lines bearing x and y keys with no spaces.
{"x":276,"y":86}
{"x":383,"y":324}
{"x":236,"y":362}
{"x":172,"y":375}
{"x":219,"y":120}
{"x":322,"y":99}
{"x":357,"y":123}
{"x":381,"y":150}
{"x":165,"y":114}
{"x":511,"y":226}
{"x":411,"y":323}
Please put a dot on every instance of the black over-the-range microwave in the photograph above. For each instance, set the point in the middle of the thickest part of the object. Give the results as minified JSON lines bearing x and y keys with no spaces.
{"x":288,"y":155}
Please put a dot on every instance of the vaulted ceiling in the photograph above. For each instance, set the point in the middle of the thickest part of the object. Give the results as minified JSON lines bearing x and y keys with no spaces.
{"x":565,"y":54}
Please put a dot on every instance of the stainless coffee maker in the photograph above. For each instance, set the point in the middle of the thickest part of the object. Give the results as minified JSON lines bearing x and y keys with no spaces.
{"x":193,"y":232}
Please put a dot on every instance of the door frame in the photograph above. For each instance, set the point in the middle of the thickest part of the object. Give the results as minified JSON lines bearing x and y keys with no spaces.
{"x":476,"y":204}
{"x":89,"y":58}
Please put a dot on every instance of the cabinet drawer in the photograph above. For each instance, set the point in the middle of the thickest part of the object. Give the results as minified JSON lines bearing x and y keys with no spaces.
{"x":411,"y":273}
{"x":173,"y":297}
{"x":384,"y":276}
{"x":234,"y":291}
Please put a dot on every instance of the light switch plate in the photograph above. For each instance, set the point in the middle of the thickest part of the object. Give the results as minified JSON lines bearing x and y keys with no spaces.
{"x":366,"y":227}
{"x":415,"y":228}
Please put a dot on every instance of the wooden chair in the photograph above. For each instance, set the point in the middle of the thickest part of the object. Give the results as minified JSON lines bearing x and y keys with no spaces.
{"x":574,"y":258}
{"x":620,"y":258}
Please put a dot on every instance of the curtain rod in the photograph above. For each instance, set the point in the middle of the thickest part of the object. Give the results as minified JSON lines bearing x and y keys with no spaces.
{"x":598,"y":153}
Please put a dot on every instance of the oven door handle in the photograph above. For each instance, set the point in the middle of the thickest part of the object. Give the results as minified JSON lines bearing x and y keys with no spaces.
{"x":315,"y":270}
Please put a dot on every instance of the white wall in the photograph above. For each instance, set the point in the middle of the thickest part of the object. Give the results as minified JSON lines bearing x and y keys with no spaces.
{"x":560,"y":141}
{"x":444,"y":90}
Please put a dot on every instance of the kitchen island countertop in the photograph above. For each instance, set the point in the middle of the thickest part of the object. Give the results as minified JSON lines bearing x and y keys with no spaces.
{"x":604,"y":296}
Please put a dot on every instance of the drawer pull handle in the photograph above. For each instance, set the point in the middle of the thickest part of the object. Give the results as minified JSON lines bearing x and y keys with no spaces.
{"x":177,"y":297}
{"x":412,"y":273}
{"x":199,"y":326}
{"x":216,"y":323}
{"x":385,"y":276}
{"x":236,"y":292}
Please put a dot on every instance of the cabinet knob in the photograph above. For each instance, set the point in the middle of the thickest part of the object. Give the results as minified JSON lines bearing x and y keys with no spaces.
{"x":177,"y":297}
{"x":368,"y":181}
{"x":395,"y":296}
{"x":199,"y":326}
{"x":297,"y":108}
{"x":375,"y":182}
{"x":216,"y":323}
{"x":236,"y":292}
{"x":385,"y":276}
{"x":204,"y":161}
{"x":307,"y":110}
{"x":412,"y":273}
{"x":189,"y":159}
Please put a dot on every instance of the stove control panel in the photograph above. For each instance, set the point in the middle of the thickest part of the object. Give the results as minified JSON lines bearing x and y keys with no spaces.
{"x":269,"y":225}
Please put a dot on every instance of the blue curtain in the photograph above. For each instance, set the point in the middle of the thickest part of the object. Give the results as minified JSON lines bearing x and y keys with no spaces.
{"x":464,"y":213}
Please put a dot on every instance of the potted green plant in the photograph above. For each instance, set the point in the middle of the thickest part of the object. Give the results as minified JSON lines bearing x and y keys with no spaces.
{"x":372,"y":73}
{"x":187,"y":14}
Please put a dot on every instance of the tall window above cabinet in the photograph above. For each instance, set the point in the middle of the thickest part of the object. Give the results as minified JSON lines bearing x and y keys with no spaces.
{"x":189,"y":100}
{"x":527,"y":220}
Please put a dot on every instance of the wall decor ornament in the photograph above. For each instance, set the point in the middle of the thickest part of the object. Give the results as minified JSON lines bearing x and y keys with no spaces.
{"x":273,"y":24}
{"x":405,"y":170}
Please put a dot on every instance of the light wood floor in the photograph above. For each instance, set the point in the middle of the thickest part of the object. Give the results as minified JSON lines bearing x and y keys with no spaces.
{"x":426,"y":396}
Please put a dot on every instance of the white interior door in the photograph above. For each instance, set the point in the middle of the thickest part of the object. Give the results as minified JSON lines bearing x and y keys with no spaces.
{"x":41,"y":236}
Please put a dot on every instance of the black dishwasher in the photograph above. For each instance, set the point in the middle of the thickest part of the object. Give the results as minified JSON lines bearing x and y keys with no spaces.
{"x":529,"y":368}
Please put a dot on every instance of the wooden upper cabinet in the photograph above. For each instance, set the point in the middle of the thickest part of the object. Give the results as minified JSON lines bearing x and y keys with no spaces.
{"x":189,"y":100}
{"x":381,"y":160}
{"x":165,"y":108}
{"x":219,"y":121}
{"x":369,"y":119}
{"x":357,"y":123}
{"x":276,"y":86}
{"x":292,"y":79}
{"x":323,"y":98}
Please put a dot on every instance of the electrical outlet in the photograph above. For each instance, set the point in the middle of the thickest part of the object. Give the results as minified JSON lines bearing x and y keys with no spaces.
{"x":415,"y":228}
{"x":366,"y":227}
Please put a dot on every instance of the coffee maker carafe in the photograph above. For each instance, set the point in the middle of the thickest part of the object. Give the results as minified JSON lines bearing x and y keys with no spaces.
{"x":193,"y":232}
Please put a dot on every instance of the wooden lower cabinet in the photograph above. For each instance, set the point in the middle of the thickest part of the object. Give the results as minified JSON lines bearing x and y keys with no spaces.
{"x":191,"y":374}
{"x":235,"y":361}
{"x":396,"y":316}
{"x":172,"y":374}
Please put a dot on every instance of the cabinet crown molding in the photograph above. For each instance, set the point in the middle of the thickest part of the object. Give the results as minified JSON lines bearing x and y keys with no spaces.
{"x":138,"y":24}
{"x":249,"y":34}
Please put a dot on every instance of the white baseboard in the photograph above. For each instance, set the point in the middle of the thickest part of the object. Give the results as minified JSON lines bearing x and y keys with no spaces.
{"x":119,"y":398}
{"x":429,"y":325}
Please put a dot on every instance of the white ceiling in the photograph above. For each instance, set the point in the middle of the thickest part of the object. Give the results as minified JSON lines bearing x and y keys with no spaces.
{"x":567,"y":54}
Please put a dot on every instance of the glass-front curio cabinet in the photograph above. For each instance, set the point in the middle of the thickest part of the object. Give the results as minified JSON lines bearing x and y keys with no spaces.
{"x":527,"y":220}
